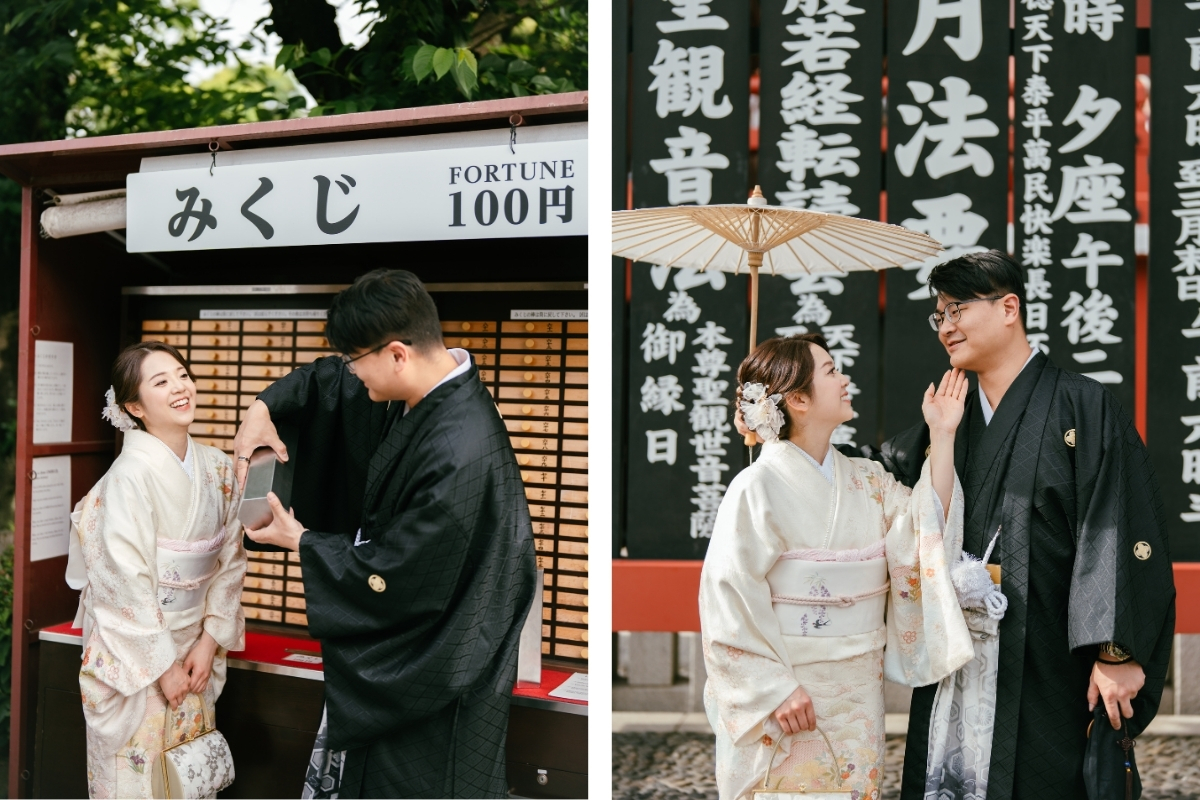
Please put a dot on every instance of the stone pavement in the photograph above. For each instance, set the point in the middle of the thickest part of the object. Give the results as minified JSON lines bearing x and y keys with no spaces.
{"x":673,"y":759}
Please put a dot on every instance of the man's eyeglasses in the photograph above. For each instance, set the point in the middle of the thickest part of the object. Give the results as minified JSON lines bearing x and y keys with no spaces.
{"x":953,"y":311}
{"x":349,"y":360}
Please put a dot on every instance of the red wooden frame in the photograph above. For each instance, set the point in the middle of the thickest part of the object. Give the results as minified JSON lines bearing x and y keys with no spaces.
{"x":662,"y":596}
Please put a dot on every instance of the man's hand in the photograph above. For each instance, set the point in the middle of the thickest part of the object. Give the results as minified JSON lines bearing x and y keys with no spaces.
{"x":284,"y":531}
{"x":256,"y":431}
{"x":1117,"y":684}
{"x":174,"y":684}
{"x":199,"y":661}
{"x":796,"y":713}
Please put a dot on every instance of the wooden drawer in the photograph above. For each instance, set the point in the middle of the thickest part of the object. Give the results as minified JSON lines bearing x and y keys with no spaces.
{"x":214,"y":355}
{"x":542,"y":361}
{"x":267,"y":356}
{"x":530,"y":326}
{"x":165,"y":325}
{"x":542,"y":443}
{"x":214,"y":370}
{"x":216,"y":325}
{"x":468,"y":326}
{"x":268,"y":341}
{"x":534,"y":393}
{"x":530,"y":343}
{"x":215,"y":340}
{"x":274,"y":325}
{"x":173,"y":339}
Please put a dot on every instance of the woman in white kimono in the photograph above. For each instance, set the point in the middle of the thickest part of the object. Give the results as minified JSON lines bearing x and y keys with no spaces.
{"x":156,"y":550}
{"x":796,"y":584}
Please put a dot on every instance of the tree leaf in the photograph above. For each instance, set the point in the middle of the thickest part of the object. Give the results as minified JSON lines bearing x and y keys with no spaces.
{"x":285,"y":56}
{"x":541,"y":82}
{"x":443,"y":60}
{"x":423,"y":62}
{"x":518,"y":90}
{"x":492,"y":63}
{"x":518,"y":68}
{"x":464,"y":78}
{"x":465,"y":56}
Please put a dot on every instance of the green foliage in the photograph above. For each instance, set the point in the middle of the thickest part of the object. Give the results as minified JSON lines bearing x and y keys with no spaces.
{"x":426,"y":52}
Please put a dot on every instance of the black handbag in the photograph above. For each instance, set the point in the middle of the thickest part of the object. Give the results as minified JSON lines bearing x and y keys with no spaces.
{"x":1109,"y":769}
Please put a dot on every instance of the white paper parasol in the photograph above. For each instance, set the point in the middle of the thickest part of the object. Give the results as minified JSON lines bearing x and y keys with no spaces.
{"x":745,"y":238}
{"x":786,"y":241}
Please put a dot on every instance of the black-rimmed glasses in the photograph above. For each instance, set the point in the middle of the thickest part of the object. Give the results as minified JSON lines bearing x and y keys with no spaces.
{"x":349,"y":360}
{"x":953,"y":311}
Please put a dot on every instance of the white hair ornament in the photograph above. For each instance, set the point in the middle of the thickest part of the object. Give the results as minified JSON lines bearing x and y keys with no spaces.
{"x":761,"y":411}
{"x":115,"y":414}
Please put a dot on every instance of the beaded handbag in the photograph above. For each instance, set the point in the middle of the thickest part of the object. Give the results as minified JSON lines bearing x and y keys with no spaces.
{"x":197,"y":767}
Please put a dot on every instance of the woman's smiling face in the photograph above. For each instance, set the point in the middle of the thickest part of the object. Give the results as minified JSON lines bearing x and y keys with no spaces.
{"x":166,"y":394}
{"x":828,"y":398}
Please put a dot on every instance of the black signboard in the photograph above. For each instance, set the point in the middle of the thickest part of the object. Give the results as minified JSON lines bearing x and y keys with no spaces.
{"x":1173,"y":405}
{"x":820,"y":118}
{"x":691,"y":93}
{"x":1073,"y":184}
{"x":845,"y":310}
{"x":688,"y":333}
{"x":820,"y":115}
{"x":946,"y":168}
{"x":689,"y":145}
{"x":620,"y":310}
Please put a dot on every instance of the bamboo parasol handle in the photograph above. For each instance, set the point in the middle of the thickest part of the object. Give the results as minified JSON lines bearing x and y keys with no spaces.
{"x":750,"y":438}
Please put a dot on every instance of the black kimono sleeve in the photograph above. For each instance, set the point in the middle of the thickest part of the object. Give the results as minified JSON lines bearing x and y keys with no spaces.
{"x":339,"y":429}
{"x":1122,"y":583}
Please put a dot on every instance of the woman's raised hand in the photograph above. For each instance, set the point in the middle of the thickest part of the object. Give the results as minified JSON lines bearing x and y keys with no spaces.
{"x":796,"y":713}
{"x":943,"y":406}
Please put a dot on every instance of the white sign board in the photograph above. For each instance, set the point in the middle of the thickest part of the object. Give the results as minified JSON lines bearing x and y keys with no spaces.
{"x":474,"y":186}
{"x":50,"y":517}
{"x":53,"y":380}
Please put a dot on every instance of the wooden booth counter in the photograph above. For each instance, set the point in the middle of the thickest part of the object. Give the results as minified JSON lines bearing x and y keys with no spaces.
{"x":289,"y":214}
{"x":270,"y":711}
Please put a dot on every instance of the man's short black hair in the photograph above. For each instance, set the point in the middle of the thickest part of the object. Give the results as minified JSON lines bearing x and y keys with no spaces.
{"x":978,"y":275}
{"x":383,"y":306}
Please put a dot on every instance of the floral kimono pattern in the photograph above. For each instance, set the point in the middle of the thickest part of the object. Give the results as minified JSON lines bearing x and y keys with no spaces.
{"x":146,"y":502}
{"x":782,"y":509}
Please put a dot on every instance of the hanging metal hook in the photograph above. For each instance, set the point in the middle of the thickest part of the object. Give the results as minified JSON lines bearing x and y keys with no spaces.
{"x":513,"y":122}
{"x":213,"y":147}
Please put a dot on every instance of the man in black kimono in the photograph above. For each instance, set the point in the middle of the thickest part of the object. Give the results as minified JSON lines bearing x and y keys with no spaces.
{"x":1050,"y":458}
{"x":419,"y":612}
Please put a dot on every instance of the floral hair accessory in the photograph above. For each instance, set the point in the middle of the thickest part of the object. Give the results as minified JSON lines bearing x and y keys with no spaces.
{"x":115,"y":414}
{"x":761,"y":411}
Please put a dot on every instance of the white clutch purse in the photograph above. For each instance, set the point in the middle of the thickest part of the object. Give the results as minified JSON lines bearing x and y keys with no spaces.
{"x":198,"y":767}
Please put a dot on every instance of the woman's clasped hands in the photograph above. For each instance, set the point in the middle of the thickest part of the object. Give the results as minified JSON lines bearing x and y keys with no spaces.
{"x":191,"y":675}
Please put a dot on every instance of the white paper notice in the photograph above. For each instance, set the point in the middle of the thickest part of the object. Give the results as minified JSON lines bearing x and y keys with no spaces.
{"x":303,"y":658}
{"x":573,"y":688}
{"x":50,"y":525}
{"x":52,"y":383}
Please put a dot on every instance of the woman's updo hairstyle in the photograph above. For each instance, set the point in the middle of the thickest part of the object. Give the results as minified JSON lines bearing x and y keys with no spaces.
{"x":784,"y":365}
{"x":127,"y":372}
